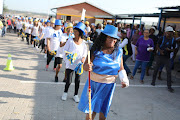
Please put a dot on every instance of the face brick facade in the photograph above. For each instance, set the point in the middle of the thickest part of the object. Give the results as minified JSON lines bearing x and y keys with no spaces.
{"x":76,"y":11}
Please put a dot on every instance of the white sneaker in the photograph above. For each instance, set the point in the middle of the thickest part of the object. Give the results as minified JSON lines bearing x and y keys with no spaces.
{"x":76,"y":98}
{"x":64,"y":96}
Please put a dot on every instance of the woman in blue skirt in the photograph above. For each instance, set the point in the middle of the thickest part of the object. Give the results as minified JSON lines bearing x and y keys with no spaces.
{"x":106,"y":64}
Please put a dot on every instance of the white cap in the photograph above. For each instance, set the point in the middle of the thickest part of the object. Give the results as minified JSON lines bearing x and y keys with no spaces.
{"x":169,"y":29}
{"x":153,"y":28}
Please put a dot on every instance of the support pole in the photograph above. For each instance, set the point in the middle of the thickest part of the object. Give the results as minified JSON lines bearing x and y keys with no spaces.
{"x":132,"y":27}
{"x":164,"y":24}
{"x":160,"y":17}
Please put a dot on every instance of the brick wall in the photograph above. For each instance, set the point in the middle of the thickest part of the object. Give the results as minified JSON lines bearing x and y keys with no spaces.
{"x":91,"y":11}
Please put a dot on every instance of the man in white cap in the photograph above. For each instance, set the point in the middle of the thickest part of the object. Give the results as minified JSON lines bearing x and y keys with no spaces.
{"x":165,"y":46}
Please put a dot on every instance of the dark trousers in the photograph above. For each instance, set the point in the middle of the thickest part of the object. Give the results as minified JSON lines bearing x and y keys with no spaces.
{"x":42,"y":44}
{"x":162,"y":60}
{"x":27,"y":38}
{"x":15,"y":29}
{"x":49,"y":58}
{"x":69,"y":74}
{"x":19,"y":32}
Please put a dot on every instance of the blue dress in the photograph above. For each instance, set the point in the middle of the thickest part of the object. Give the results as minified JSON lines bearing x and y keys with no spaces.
{"x":101,"y":93}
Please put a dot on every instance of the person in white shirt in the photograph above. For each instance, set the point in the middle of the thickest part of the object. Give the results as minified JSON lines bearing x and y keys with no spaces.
{"x":18,"y":26}
{"x":124,"y":45}
{"x":34,"y":32}
{"x":22,"y":28}
{"x":75,"y":46}
{"x":53,"y":42}
{"x":99,"y":30}
{"x":88,"y":29}
{"x":46,"y":30}
{"x":28,"y":27}
{"x":63,"y":40}
{"x":42,"y":27}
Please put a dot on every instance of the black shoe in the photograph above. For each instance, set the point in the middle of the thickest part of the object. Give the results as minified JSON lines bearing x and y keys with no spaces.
{"x":64,"y":80}
{"x":129,"y":74}
{"x":171,"y":90}
{"x":56,"y":79}
{"x":153,"y":84}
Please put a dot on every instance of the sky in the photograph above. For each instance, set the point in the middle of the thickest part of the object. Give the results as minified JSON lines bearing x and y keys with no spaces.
{"x":112,"y":6}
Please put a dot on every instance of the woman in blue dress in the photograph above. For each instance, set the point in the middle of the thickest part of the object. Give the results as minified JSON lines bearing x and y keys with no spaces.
{"x":106,"y":64}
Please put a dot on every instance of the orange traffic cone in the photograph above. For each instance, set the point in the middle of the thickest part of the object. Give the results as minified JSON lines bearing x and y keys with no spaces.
{"x":9,"y":65}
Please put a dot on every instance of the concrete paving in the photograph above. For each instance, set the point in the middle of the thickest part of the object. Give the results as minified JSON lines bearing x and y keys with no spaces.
{"x":29,"y":92}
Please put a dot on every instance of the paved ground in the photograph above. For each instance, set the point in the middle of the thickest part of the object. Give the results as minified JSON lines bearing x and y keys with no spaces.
{"x":29,"y":93}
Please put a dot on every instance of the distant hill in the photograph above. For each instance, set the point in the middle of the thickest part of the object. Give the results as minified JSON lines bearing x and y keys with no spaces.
{"x":27,"y":13}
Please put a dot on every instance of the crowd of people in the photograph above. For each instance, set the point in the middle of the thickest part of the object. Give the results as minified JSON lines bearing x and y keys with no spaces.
{"x":112,"y":45}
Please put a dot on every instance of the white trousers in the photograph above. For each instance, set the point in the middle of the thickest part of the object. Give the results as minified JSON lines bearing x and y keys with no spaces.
{"x":133,"y":50}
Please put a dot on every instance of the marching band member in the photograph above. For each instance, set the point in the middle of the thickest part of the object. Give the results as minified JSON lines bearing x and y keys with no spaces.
{"x":53,"y":41}
{"x":64,"y":38}
{"x":106,"y":64}
{"x":76,"y":49}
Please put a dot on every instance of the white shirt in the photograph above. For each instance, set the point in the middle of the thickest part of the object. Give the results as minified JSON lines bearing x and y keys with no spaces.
{"x":27,"y":25}
{"x":123,"y":43}
{"x":81,"y":51}
{"x":54,"y":36}
{"x":42,"y":31}
{"x":46,"y":32}
{"x":19,"y":25}
{"x":88,"y":29}
{"x":63,"y":39}
{"x":98,"y":31}
{"x":35,"y":31}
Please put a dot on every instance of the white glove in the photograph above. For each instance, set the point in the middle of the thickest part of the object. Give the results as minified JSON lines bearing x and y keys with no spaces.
{"x":123,"y":77}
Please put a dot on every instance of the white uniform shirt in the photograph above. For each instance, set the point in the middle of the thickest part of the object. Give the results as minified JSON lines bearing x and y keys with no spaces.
{"x":27,"y":25}
{"x":42,"y":31}
{"x":46,"y":32}
{"x":19,"y":25}
{"x":54,"y":36}
{"x":63,"y":39}
{"x":35,"y":31}
{"x":81,"y":51}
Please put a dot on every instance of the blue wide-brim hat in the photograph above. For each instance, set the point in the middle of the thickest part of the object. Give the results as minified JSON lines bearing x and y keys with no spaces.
{"x":42,"y":20}
{"x":48,"y":21}
{"x":58,"y":22}
{"x":29,"y":18}
{"x":81,"y":26}
{"x":111,"y":31}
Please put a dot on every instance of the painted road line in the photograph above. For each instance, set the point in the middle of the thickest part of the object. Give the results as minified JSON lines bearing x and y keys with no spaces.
{"x":62,"y":83}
